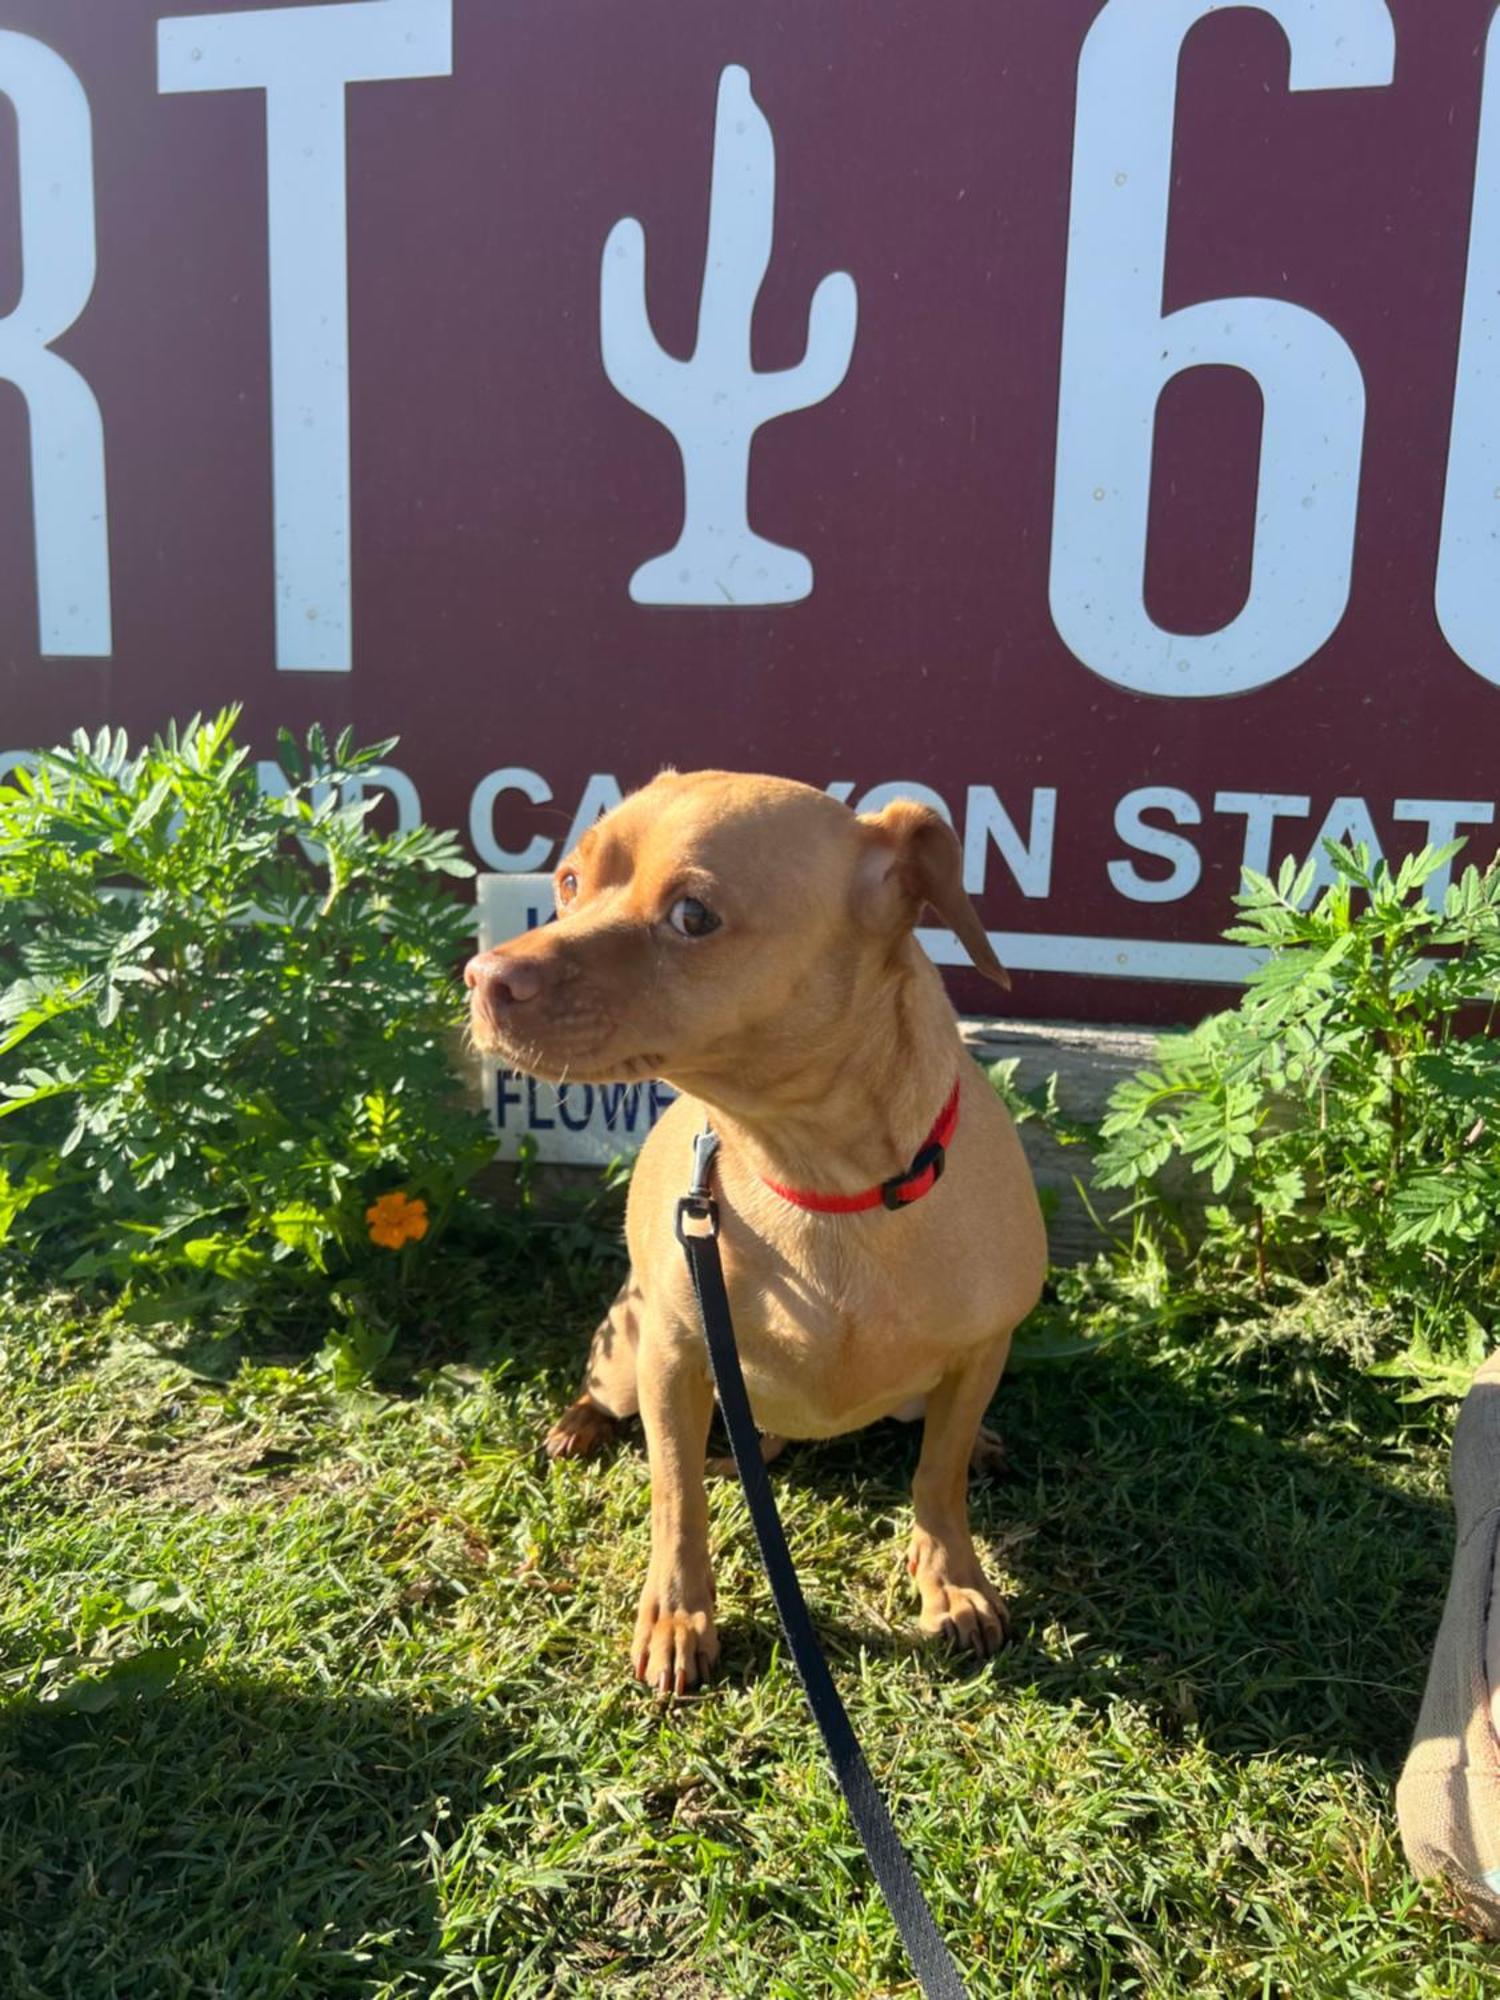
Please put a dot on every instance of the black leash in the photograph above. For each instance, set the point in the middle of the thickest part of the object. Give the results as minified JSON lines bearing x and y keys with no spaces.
{"x":936,"y":1973}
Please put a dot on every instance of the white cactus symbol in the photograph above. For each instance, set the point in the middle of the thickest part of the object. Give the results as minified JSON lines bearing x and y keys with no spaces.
{"x":714,"y":403}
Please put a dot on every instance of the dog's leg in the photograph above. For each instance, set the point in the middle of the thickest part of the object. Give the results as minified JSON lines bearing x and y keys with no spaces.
{"x":958,"y":1601}
{"x":771,"y":1447}
{"x":609,"y":1387}
{"x":675,"y":1642}
{"x":988,"y":1459}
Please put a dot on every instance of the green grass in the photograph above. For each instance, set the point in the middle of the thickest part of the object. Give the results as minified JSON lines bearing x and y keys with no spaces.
{"x":306,"y":1695}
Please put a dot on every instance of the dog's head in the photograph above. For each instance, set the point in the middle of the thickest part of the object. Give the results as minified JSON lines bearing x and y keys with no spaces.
{"x":715,"y":928}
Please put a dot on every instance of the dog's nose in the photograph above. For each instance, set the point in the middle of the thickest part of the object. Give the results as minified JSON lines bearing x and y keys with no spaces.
{"x":508,"y":980}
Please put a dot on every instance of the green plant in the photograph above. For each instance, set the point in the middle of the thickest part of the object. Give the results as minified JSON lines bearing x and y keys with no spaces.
{"x":1346,"y":1115}
{"x":1039,"y":1104}
{"x":226,"y":1020}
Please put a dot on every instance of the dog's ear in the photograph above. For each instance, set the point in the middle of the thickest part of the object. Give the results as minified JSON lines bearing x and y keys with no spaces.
{"x":912,"y":861}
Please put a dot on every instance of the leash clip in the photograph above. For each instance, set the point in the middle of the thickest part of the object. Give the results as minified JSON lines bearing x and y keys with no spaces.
{"x":698,"y":1205}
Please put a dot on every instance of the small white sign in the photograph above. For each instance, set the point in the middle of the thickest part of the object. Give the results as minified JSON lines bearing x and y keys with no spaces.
{"x":577,"y":1124}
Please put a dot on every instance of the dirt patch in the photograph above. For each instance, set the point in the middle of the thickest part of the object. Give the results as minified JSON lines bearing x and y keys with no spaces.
{"x":208,"y":1473}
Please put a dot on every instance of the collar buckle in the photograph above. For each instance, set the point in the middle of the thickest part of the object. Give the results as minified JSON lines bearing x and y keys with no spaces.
{"x":897,"y":1192}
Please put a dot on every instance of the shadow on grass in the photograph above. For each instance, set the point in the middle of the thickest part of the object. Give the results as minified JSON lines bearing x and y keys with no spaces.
{"x":1222,"y":1553}
{"x":1226,"y":1552}
{"x":229,"y":1838}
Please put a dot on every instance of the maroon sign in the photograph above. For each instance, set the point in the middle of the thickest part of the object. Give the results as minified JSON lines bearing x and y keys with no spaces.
{"x":1087,"y":415}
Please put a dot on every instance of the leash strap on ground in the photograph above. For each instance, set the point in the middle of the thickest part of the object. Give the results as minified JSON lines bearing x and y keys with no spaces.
{"x":698,"y":1232}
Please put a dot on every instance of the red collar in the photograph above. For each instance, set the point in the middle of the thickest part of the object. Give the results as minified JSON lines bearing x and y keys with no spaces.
{"x":924,"y":1173}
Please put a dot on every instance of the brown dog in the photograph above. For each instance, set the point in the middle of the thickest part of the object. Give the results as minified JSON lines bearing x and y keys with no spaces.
{"x":751,"y":941}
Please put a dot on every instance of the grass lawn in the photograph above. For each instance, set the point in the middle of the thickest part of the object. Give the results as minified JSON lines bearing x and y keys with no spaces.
{"x":318,"y":1695}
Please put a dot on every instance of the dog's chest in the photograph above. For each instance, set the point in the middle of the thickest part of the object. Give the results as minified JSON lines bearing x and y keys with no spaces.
{"x":829,"y":1345}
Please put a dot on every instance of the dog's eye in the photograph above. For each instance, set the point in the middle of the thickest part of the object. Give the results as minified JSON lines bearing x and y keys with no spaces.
{"x":567,"y":886}
{"x":690,"y":918}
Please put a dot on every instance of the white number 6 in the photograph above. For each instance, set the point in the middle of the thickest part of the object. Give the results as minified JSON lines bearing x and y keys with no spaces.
{"x":1119,"y":352}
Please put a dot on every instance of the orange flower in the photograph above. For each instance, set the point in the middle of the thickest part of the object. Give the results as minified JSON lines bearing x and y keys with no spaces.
{"x":396,"y":1219}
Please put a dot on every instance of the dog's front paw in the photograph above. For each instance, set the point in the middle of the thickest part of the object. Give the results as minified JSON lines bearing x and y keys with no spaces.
{"x":967,"y":1616}
{"x":675,"y":1646}
{"x":959,"y":1603}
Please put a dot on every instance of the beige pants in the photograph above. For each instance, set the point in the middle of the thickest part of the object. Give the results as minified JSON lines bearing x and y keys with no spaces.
{"x":1448,"y":1797}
